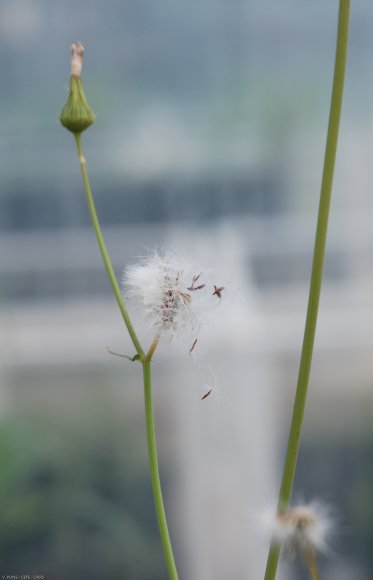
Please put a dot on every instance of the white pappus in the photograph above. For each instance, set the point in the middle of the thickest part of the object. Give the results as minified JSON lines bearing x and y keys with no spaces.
{"x":171,"y":294}
{"x":302,"y":527}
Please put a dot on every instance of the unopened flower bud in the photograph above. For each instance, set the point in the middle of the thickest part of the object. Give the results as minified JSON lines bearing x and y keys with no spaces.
{"x":77,"y":115}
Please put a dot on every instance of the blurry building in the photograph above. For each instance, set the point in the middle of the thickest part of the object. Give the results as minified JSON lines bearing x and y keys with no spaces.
{"x":213,"y":148}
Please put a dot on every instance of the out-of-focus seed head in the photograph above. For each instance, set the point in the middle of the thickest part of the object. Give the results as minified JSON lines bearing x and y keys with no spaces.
{"x":302,"y":527}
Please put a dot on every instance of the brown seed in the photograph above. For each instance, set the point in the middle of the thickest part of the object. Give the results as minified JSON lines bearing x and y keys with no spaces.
{"x":194,"y":280}
{"x":193,"y":345}
{"x":217,"y":291}
{"x":185,"y":297}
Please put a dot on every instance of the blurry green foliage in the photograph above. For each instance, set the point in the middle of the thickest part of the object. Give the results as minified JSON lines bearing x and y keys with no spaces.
{"x":75,"y":501}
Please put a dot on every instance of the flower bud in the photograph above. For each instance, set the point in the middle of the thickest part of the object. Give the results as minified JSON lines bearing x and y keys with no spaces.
{"x":77,"y":115}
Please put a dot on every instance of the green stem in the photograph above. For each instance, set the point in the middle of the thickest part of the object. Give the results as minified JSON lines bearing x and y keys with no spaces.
{"x":316,"y":277}
{"x":102,"y":246}
{"x":146,"y":360}
{"x":312,"y":564}
{"x":154,"y":471}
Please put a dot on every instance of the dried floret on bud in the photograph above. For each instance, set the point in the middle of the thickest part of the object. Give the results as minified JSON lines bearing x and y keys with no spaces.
{"x":77,"y":115}
{"x":77,"y":55}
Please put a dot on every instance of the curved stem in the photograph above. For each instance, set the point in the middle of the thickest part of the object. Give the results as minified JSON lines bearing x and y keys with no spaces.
{"x":102,"y":246}
{"x":154,"y":471}
{"x":316,"y":277}
{"x":146,"y":360}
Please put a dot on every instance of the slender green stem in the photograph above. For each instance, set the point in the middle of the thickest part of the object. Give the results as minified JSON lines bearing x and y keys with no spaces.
{"x":151,"y":351}
{"x":102,"y":246}
{"x":146,"y":360}
{"x":154,"y":471}
{"x":312,"y":564}
{"x":316,"y":277}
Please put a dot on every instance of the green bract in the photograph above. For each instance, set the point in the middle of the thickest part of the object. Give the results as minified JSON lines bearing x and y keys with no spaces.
{"x":77,"y":115}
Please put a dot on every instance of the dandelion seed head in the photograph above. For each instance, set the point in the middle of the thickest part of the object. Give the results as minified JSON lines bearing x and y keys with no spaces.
{"x":168,"y":291}
{"x":302,"y":527}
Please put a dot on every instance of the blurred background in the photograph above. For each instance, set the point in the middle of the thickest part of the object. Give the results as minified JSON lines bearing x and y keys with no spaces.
{"x":210,"y":132}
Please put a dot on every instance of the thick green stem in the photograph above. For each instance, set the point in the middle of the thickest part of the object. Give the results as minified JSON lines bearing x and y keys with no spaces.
{"x":102,"y":246}
{"x":154,"y":471}
{"x":316,"y":277}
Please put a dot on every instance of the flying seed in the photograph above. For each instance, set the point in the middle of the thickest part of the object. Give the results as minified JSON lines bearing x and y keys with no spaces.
{"x":217,"y":291}
{"x":193,"y":345}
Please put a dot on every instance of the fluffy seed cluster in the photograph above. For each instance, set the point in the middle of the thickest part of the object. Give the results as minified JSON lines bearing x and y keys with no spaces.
{"x":167,"y":290}
{"x":303,"y":527}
